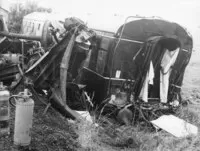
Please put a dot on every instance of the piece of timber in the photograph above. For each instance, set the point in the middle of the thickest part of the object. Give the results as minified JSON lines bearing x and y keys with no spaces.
{"x":20,"y":36}
{"x":57,"y":103}
{"x":64,"y":66}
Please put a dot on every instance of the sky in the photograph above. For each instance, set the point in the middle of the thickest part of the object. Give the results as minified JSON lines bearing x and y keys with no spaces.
{"x":184,"y":12}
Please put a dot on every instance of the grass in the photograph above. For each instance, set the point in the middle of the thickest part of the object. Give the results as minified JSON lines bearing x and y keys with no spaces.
{"x":52,"y":132}
{"x":93,"y":138}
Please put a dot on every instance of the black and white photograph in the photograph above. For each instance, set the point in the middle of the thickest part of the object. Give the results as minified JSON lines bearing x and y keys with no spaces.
{"x":99,"y":75}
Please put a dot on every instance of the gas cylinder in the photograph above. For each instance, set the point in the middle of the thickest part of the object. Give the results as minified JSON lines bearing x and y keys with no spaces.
{"x":4,"y":110}
{"x":23,"y":119}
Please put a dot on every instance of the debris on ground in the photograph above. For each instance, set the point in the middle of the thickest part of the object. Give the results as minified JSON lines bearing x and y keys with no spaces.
{"x":175,"y":126}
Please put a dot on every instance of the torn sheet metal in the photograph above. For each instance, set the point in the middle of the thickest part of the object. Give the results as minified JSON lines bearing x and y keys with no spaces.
{"x":175,"y":126}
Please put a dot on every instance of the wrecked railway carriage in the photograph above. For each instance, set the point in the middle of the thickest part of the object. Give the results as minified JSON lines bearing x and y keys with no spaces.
{"x":140,"y":67}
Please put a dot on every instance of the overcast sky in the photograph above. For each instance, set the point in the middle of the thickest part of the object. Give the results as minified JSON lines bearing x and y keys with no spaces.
{"x":184,"y":12}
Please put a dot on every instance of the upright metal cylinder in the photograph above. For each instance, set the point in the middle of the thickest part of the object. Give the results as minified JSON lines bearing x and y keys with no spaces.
{"x":23,"y":120}
{"x":4,"y":111}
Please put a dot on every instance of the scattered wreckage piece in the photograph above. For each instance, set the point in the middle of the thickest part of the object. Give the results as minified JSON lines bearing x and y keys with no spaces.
{"x":16,"y":56}
{"x":175,"y":126}
{"x":135,"y":74}
{"x":45,"y":72}
{"x":144,"y":69}
{"x":42,"y":70}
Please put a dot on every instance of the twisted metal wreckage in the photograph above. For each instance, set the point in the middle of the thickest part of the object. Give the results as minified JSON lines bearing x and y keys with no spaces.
{"x":129,"y":76}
